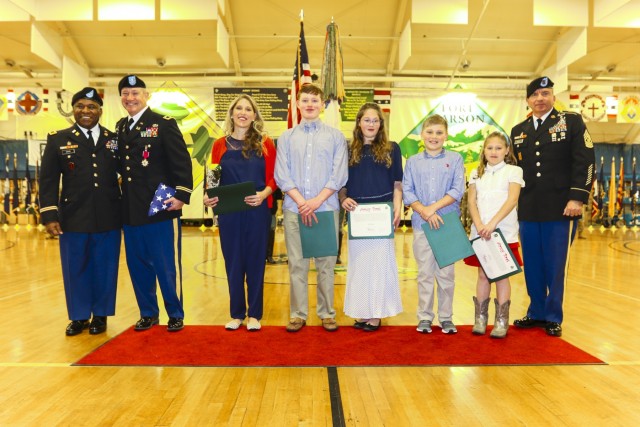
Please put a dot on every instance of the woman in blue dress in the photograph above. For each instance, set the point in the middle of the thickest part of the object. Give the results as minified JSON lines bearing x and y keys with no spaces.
{"x":375,"y":176}
{"x":245,"y":154}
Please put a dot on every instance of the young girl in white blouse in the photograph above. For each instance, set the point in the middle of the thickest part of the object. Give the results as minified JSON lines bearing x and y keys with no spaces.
{"x":494,"y":187}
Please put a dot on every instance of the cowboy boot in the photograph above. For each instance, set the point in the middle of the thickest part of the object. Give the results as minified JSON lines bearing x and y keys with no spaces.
{"x":482,"y":316}
{"x":501,"y":324}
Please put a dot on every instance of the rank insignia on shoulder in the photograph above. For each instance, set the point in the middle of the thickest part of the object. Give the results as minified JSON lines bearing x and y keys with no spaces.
{"x":167,"y":117}
{"x":53,"y":132}
{"x":519,"y":138}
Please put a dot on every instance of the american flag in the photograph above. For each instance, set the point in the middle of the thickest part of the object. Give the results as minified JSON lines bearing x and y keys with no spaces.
{"x":163,"y":192}
{"x":301,"y":76}
{"x":383,"y":99}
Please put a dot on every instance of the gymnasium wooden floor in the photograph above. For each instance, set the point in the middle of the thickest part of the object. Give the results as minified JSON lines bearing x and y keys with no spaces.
{"x":38,"y":385}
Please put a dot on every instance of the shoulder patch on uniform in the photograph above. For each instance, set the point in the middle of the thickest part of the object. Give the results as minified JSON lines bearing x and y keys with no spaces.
{"x":53,"y":132}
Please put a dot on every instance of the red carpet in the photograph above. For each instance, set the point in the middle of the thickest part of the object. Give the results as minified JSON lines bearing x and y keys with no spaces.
{"x":312,"y":346}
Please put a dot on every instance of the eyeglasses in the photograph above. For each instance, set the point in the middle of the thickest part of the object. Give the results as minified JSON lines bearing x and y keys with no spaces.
{"x":371,"y":121}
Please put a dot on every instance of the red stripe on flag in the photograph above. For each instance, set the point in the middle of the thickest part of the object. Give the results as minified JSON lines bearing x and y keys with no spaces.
{"x":301,"y":76}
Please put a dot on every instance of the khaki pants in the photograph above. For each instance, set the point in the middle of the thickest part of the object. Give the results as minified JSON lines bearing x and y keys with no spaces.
{"x":299,"y":273}
{"x":428,"y":271}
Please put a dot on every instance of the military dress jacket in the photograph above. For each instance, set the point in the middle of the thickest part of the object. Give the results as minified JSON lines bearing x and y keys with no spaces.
{"x":558,"y":162}
{"x":152,"y":152}
{"x":90,"y":198}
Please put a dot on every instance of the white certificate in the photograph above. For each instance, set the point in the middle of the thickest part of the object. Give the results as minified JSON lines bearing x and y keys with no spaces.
{"x":495,"y":256}
{"x":371,"y":221}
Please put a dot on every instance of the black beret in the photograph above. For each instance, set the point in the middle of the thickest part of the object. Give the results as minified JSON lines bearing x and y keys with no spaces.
{"x":539,"y":83}
{"x":130,"y":81}
{"x":87,"y":93}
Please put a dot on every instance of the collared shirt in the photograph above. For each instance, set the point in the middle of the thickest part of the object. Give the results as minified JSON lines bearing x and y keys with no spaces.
{"x":311,"y":156}
{"x":137,"y":116}
{"x":492,"y":191}
{"x":543,"y":118}
{"x":95,"y":132}
{"x":428,"y":179}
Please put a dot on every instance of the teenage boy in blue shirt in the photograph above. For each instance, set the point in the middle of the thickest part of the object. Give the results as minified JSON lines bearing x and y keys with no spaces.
{"x":311,"y":166}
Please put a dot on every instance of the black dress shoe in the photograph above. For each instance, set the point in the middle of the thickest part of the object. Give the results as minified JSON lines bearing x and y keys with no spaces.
{"x":175,"y":324}
{"x":146,"y":323}
{"x":527,"y":322}
{"x":359,"y":325}
{"x":98,"y":325}
{"x":553,"y":329}
{"x":368,"y":327}
{"x":76,"y":327}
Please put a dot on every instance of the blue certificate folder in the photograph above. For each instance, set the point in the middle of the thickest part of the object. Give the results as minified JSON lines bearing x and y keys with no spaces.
{"x":319,"y":240}
{"x":450,"y":242}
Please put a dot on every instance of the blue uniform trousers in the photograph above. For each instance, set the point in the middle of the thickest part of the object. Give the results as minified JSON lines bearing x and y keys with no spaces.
{"x":154,"y":252}
{"x":243,"y":239}
{"x":90,"y":272}
{"x":545,"y":253}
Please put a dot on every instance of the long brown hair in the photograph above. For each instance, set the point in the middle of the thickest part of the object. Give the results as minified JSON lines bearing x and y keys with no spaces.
{"x":381,"y":146}
{"x":255,"y":134}
{"x":510,"y":158}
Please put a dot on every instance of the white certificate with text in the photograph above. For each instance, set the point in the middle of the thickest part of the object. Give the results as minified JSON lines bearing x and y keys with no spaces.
{"x":371,"y":221}
{"x":495,"y":256}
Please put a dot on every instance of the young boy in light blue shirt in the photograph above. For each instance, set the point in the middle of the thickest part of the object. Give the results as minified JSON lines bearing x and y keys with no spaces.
{"x":433,"y":185}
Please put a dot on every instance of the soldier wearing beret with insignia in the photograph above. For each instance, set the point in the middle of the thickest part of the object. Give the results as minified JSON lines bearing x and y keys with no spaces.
{"x":153,"y":152}
{"x":86,"y":213}
{"x":555,"y":151}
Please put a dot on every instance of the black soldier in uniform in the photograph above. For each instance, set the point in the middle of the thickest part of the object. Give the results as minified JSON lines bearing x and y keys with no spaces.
{"x":86,"y":214}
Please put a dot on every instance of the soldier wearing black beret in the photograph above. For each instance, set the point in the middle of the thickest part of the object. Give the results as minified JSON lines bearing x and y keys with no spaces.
{"x":86,"y":213}
{"x":555,"y":151}
{"x":153,"y":152}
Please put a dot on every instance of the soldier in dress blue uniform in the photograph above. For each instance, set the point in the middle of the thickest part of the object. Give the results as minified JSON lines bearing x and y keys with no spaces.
{"x":152,"y":152}
{"x":555,"y":151}
{"x":86,"y":214}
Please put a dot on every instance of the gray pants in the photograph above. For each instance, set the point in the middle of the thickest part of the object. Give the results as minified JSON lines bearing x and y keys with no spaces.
{"x":299,"y":273}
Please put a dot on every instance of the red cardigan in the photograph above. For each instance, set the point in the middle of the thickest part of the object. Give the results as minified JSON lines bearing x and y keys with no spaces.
{"x":268,"y":151}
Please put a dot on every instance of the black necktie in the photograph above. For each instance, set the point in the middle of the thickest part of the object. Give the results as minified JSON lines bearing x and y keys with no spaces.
{"x":89,"y":137}
{"x":129,"y":124}
{"x":539,"y":122}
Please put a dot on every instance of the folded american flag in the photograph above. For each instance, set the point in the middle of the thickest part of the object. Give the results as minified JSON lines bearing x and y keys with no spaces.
{"x":163,"y":192}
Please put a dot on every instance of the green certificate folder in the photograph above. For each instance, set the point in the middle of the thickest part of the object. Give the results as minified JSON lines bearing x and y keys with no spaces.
{"x":319,"y":240}
{"x":231,"y":197}
{"x":371,"y":221}
{"x":450,"y":242}
{"x":495,"y":256}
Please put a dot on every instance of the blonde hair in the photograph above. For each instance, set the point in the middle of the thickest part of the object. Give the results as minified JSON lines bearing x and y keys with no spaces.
{"x":255,"y":134}
{"x":509,"y":158}
{"x":381,"y":146}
